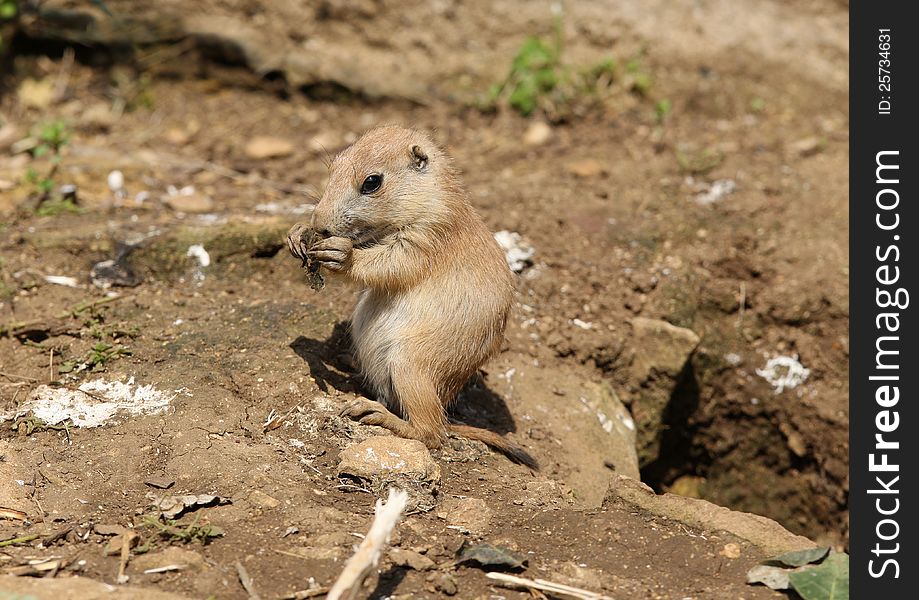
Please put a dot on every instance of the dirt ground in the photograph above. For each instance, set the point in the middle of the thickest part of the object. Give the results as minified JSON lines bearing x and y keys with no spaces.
{"x":620,"y":204}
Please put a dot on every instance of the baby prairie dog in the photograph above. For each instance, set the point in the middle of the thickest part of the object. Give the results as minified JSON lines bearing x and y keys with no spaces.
{"x":437,"y":289}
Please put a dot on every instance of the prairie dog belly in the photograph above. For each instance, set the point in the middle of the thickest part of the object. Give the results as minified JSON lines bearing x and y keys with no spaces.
{"x":376,"y":324}
{"x":445,"y":330}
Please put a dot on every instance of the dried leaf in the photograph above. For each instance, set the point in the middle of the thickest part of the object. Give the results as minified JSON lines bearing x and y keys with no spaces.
{"x":486,"y":555}
{"x":799,"y":558}
{"x":161,"y":483}
{"x":775,"y":578}
{"x":827,"y":581}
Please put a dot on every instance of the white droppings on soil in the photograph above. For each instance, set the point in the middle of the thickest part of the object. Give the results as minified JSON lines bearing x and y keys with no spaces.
{"x":517,"y":251}
{"x":784,"y":372}
{"x":198,"y":252}
{"x":716,"y":191}
{"x":94,"y":403}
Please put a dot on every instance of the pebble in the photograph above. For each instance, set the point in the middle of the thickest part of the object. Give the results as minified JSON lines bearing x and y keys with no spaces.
{"x":262,"y":147}
{"x":587,"y":167}
{"x":190,"y":203}
{"x":537,"y":134}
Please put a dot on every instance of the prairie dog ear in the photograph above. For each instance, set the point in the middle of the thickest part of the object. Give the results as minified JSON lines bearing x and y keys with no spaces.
{"x":419,"y":158}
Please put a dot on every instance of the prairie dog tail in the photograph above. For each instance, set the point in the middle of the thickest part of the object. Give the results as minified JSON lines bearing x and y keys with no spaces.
{"x":499,"y":443}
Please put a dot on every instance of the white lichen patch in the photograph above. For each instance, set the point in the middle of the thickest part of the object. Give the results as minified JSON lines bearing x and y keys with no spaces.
{"x":784,"y":372}
{"x":92,"y":404}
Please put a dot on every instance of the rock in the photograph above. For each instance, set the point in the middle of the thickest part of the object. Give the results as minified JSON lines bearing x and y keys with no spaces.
{"x":410,"y":559}
{"x":445,"y":583}
{"x":730,"y":550}
{"x":263,"y":500}
{"x":77,"y":588}
{"x":767,"y":535}
{"x":262,"y":147}
{"x":584,"y":421}
{"x":192,"y":202}
{"x":537,"y":134}
{"x":587,"y":167}
{"x":387,"y":461}
{"x":661,"y":352}
{"x":470,"y":514}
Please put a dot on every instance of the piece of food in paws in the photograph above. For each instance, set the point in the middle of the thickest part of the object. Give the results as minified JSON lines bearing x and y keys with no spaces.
{"x":311,"y":265}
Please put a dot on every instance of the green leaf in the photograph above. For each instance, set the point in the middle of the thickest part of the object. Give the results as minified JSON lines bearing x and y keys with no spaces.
{"x":799,"y":558}
{"x":494,"y":557}
{"x":827,"y":581}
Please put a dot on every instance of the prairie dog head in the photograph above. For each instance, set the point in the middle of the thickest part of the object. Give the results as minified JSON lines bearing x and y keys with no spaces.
{"x":391,"y":179}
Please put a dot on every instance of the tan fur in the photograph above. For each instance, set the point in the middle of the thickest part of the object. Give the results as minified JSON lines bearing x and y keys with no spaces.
{"x":437,"y":289}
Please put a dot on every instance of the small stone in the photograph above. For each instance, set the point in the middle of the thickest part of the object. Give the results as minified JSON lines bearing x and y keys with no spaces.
{"x":730,"y":550}
{"x":587,"y":167}
{"x":410,"y":559}
{"x":446,"y":584}
{"x":115,"y":180}
{"x":807,"y":146}
{"x":537,"y":134}
{"x":470,"y":514}
{"x":388,"y":461}
{"x":190,"y":203}
{"x":260,"y":498}
{"x":262,"y":147}
{"x":176,"y":136}
{"x":36,"y":93}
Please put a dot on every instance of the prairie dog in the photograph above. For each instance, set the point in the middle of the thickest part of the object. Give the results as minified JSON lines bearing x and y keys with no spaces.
{"x":437,"y":289}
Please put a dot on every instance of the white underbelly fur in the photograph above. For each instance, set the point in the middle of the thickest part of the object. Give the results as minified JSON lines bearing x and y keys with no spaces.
{"x":375,"y":328}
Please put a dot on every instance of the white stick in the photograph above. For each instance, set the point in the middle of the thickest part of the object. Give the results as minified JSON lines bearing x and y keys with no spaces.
{"x":547,"y":586}
{"x":368,"y":553}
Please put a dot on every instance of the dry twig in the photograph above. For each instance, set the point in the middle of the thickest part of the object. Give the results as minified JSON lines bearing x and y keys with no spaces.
{"x":368,"y":554}
{"x":546,"y":586}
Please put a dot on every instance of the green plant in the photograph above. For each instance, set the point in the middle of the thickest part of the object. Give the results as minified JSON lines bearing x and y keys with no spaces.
{"x":662,"y":109}
{"x":538,"y":79}
{"x":8,"y":13}
{"x":95,"y":360}
{"x":172,"y":531}
{"x":51,"y":138}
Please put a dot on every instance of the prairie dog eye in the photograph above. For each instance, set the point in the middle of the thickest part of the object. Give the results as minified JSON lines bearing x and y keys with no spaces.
{"x":371,"y":184}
